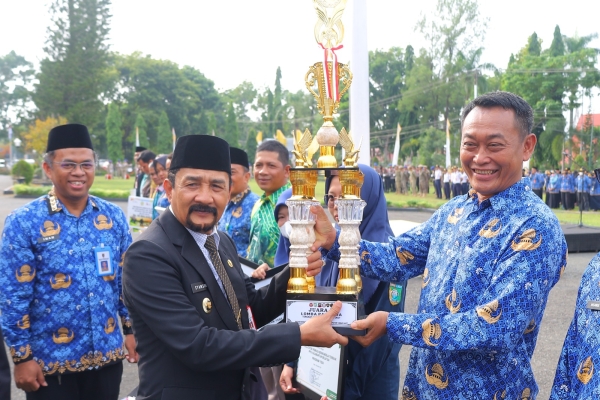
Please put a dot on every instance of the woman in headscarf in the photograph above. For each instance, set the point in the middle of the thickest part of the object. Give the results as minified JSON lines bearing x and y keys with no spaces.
{"x":372,"y":372}
{"x":160,"y":197}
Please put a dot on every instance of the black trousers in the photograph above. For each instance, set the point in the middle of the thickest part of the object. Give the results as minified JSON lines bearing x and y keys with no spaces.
{"x":437,"y":184}
{"x":566,"y":198}
{"x":538,"y":192}
{"x":447,"y":190}
{"x":584,"y":201}
{"x":456,"y":189}
{"x":100,"y":384}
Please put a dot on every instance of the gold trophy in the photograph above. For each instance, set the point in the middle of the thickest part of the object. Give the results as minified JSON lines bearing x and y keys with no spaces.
{"x":320,"y":371}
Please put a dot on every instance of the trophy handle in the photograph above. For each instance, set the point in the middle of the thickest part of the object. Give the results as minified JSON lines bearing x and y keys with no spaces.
{"x":312,"y":77}
{"x":345,"y":76}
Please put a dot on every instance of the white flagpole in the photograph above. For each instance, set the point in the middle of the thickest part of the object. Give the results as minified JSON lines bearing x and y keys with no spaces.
{"x":448,"y":162}
{"x":137,"y":137}
{"x":397,"y":146}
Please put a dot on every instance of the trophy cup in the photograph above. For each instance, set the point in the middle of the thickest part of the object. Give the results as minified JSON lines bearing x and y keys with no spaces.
{"x":321,"y":371}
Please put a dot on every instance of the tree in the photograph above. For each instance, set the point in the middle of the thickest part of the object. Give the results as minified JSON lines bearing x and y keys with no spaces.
{"x":23,"y":170}
{"x":231,"y":131}
{"x":251,"y":146}
{"x":165,"y":137}
{"x":16,"y":74}
{"x":140,"y":130}
{"x":454,"y":31}
{"x":74,"y":76}
{"x":557,"y":47}
{"x":36,"y":137}
{"x":114,"y":133}
{"x":149,"y":86}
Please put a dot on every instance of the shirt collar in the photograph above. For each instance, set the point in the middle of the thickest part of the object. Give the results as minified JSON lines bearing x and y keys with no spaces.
{"x":505,"y":197}
{"x":240,"y":196}
{"x":59,"y":206}
{"x":275,"y":195}
{"x":200,"y":238}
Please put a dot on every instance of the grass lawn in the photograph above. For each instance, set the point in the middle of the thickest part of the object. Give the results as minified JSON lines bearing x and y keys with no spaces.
{"x":119,"y":188}
{"x":113,"y":184}
{"x":590,"y":218}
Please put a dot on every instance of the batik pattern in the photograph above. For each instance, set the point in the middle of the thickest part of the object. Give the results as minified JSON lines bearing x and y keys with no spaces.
{"x":264,"y":231}
{"x":236,"y":220}
{"x":55,"y":308}
{"x":487,"y":270}
{"x":577,"y":375}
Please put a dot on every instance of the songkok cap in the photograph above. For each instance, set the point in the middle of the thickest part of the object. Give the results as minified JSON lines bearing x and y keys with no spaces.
{"x":69,"y":136}
{"x":239,"y":156}
{"x":201,"y":152}
{"x":139,"y":149}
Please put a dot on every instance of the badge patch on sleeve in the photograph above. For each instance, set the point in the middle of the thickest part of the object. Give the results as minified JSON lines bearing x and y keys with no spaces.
{"x":395,"y":293}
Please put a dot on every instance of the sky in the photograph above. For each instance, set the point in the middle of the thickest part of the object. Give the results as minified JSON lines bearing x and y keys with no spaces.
{"x":232,"y":41}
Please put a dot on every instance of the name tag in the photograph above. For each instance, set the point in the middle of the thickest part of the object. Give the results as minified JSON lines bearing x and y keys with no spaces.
{"x":593,"y":305}
{"x":198,"y":287}
{"x":51,"y":238}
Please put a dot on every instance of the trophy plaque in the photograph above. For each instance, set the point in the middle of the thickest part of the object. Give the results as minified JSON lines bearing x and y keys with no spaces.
{"x":321,"y":371}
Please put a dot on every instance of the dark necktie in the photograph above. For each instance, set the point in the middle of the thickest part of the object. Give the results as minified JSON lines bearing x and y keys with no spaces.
{"x":211,"y":246}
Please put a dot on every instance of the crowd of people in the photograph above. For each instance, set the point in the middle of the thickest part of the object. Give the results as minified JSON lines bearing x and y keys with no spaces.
{"x":198,"y":328}
{"x":447,"y":182}
{"x":566,"y":189}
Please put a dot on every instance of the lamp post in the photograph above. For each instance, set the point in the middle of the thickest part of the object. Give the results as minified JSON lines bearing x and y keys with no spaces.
{"x":17,"y":143}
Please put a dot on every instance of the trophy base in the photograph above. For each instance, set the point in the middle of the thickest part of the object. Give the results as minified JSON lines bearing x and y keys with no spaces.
{"x":300,"y":307}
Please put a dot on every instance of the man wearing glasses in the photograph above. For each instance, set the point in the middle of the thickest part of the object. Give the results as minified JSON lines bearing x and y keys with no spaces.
{"x":61,"y":281}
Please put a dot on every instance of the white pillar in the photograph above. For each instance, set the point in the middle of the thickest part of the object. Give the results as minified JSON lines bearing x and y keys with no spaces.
{"x":359,"y":90}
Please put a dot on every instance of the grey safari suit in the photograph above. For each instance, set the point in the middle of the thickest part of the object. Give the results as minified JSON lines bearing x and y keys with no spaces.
{"x":186,"y":352}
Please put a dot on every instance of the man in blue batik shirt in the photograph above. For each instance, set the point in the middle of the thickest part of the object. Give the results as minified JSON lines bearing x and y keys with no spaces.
{"x":236,"y":217}
{"x":61,"y":281}
{"x":577,"y":375}
{"x":537,"y":181}
{"x":583,"y":183}
{"x":488,"y":260}
{"x":567,"y":190}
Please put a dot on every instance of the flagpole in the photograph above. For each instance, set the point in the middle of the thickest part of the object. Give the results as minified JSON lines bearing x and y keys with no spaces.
{"x":397,"y":146}
{"x":174,"y":137}
{"x":448,"y":160}
{"x":137,"y":137}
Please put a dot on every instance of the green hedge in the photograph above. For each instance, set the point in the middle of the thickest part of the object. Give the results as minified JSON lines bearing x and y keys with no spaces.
{"x":22,"y":169}
{"x":26,"y":190}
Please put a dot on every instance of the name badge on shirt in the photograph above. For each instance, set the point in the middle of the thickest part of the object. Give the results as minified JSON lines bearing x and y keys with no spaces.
{"x":593,"y":305}
{"x":104,"y":265}
{"x":198,"y":287}
{"x":46,"y":239}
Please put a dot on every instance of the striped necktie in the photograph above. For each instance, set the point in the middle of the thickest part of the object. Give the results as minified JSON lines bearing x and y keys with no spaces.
{"x":211,"y":246}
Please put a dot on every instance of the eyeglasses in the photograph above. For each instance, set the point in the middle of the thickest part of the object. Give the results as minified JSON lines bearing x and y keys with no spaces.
{"x":70,"y":166}
{"x":330,"y":200}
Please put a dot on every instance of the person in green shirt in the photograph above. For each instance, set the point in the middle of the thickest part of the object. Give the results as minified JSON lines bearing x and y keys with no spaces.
{"x":271,"y":172}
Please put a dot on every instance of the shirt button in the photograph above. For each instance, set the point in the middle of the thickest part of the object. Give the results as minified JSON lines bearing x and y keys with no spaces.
{"x":91,"y":294}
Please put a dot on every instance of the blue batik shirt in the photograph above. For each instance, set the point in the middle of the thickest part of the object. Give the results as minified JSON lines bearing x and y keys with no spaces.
{"x":56,"y":309}
{"x":487,"y":270}
{"x":537,"y":181}
{"x":567,"y":183}
{"x":594,"y":187}
{"x":579,"y":183}
{"x":236,"y":220}
{"x":577,"y":374}
{"x":587,"y":182}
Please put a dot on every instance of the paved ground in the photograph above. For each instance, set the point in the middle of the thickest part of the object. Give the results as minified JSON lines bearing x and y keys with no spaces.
{"x":556,"y":319}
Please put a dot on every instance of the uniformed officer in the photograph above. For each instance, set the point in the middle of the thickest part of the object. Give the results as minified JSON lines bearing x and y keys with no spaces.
{"x":236,"y":217}
{"x":192,"y":307}
{"x":61,"y":281}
